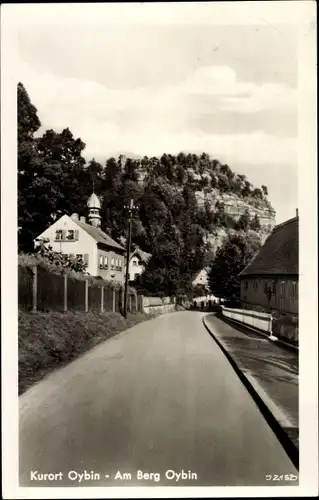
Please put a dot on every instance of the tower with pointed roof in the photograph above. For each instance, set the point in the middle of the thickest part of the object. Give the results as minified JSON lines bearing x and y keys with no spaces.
{"x":94,"y":207}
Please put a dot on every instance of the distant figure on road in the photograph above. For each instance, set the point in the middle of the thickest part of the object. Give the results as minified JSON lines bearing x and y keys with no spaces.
{"x":195,"y":304}
{"x":202,"y":305}
{"x":210,"y":303}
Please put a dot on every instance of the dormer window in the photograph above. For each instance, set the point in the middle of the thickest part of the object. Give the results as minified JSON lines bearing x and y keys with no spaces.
{"x":59,"y":234}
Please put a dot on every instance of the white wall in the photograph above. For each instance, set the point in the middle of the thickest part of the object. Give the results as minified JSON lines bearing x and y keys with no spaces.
{"x":109,"y":273}
{"x":262,"y":321}
{"x":85,"y":243}
{"x":135,"y":269}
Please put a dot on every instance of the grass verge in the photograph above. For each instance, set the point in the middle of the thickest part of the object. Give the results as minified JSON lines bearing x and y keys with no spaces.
{"x":51,"y":340}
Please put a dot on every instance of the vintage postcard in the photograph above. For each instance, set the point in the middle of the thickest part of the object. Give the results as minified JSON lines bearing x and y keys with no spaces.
{"x":159,"y":243}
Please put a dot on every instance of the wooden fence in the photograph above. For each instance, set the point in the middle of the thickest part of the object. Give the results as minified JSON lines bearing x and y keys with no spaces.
{"x":40,"y":290}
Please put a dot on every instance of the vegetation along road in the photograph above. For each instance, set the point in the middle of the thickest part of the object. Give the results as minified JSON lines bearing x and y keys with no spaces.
{"x":158,"y":404}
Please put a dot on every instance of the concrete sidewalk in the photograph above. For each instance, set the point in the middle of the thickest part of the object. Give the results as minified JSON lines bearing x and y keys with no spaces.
{"x":270,"y":373}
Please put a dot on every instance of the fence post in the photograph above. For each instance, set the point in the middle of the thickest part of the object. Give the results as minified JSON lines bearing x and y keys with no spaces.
{"x":86,"y":296}
{"x":65,"y":305}
{"x":113,"y":302}
{"x":102,"y":298}
{"x":34,"y":289}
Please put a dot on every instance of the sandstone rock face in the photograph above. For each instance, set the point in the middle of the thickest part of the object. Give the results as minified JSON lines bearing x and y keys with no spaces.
{"x":236,"y":206}
{"x":203,"y":179}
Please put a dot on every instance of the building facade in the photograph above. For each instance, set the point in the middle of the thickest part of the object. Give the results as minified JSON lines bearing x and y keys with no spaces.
{"x":137,"y":263}
{"x":201,"y":278}
{"x":270,"y":281}
{"x":73,"y":236}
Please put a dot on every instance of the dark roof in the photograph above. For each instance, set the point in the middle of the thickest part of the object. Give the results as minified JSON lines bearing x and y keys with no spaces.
{"x":144,"y":256}
{"x":280,"y":253}
{"x":99,"y":235}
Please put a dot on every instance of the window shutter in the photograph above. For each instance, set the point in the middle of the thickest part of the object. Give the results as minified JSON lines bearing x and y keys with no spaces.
{"x":76,"y":234}
{"x":86,"y":259}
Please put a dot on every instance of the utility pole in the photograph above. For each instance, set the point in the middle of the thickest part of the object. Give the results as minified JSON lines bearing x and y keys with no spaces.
{"x":130,"y":208}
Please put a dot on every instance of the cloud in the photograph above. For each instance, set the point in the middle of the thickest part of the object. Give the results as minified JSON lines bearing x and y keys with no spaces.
{"x":154,"y":120}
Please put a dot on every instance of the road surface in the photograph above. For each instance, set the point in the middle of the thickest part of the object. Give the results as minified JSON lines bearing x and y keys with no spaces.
{"x":159,"y":397}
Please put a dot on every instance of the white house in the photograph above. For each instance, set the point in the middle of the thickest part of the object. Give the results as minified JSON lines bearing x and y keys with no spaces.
{"x":137,"y":263}
{"x":74,"y":236}
{"x":201,"y":278}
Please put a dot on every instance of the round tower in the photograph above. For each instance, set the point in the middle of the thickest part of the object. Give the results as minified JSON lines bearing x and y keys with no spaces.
{"x":94,"y":206}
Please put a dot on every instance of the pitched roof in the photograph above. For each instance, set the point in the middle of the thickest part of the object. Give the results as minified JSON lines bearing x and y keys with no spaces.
{"x":99,"y":235}
{"x":145,"y":257}
{"x":195,"y":274}
{"x":279,"y":254}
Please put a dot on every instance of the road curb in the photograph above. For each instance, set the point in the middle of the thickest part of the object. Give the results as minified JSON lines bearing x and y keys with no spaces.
{"x":273,"y":415}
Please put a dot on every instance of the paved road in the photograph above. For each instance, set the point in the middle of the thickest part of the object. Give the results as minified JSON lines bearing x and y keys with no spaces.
{"x":158,"y":397}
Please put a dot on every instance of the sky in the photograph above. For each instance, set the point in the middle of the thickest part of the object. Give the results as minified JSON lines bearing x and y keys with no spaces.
{"x":148,"y":88}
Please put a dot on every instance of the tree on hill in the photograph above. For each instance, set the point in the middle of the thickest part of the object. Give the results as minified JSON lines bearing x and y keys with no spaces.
{"x":231,"y":258}
{"x":162,"y":273}
{"x":243,"y":222}
{"x":52,"y":178}
{"x":28,"y":163}
{"x":255,"y":223}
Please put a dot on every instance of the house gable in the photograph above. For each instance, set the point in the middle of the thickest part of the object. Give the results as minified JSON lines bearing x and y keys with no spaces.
{"x":82,"y":243}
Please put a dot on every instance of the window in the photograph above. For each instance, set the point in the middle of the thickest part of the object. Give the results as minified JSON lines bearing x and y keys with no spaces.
{"x":246,"y":285}
{"x":282,"y":288}
{"x":101,"y":262}
{"x":86,"y":259}
{"x":135,"y":262}
{"x":256,"y":284}
{"x":59,"y":234}
{"x":70,"y":235}
{"x":112,"y":263}
{"x":294,"y":290}
{"x":274,"y":287}
{"x":120,"y":264}
{"x":105,"y":262}
{"x":79,"y":256}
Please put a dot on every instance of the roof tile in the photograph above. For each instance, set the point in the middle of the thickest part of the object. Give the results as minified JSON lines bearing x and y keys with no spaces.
{"x":99,"y":235}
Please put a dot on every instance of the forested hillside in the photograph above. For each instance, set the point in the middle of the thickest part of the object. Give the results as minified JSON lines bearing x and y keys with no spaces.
{"x":179,"y":198}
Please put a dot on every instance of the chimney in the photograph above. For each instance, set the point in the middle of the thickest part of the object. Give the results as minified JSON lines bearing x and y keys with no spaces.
{"x":75,"y":216}
{"x":82,"y":219}
{"x":297,"y":214}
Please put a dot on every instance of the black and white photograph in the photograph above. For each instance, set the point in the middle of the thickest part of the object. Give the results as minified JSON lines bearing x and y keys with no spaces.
{"x":160,"y":292}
